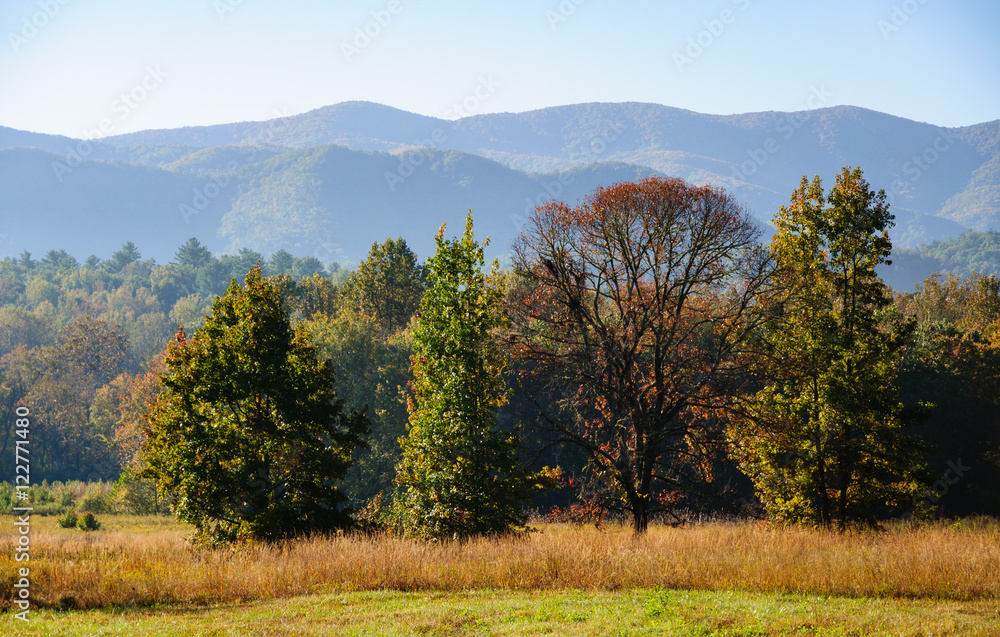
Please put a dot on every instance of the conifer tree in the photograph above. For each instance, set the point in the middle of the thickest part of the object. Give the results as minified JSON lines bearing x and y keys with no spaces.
{"x":460,"y":475}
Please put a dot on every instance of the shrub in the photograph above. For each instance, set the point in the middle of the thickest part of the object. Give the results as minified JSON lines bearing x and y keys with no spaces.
{"x":87,"y":522}
{"x":6,"y":497}
{"x":43,"y":502}
{"x":95,"y":499}
{"x":134,"y":495}
{"x":67,"y":520}
{"x":41,"y":494}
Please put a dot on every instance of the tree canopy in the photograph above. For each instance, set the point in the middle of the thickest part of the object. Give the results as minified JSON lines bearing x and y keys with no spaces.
{"x":248,"y":437}
{"x":388,"y":284}
{"x":823,"y":439}
{"x":629,"y":316}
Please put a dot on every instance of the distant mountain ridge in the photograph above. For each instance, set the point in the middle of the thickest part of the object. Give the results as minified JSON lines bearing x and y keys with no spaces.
{"x":332,"y":180}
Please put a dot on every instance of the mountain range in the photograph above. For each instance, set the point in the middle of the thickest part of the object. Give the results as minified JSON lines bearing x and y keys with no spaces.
{"x":332,"y":181}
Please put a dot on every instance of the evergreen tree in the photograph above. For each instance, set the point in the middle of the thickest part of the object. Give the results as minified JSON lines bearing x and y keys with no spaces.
{"x":193,"y":255}
{"x":459,"y":476}
{"x":307,"y":267}
{"x":281,"y":262}
{"x":128,"y":254}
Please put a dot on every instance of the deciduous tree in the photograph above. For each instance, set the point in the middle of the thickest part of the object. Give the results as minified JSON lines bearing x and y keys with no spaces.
{"x":388,"y":284}
{"x":824,"y":439}
{"x":89,"y":353}
{"x":373,"y":371}
{"x":460,"y":476}
{"x":630,"y":315}
{"x":248,"y":436}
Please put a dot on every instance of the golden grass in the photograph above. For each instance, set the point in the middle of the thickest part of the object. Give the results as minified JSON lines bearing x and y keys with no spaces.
{"x":145,"y":562}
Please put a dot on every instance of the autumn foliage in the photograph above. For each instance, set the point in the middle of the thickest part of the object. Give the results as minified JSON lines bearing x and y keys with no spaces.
{"x":630,"y":312}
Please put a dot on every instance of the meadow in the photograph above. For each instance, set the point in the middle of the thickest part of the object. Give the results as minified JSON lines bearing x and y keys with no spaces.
{"x":141,"y":569}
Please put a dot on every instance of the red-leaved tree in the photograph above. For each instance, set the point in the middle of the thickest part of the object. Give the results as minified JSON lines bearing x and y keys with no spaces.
{"x":630,"y":314}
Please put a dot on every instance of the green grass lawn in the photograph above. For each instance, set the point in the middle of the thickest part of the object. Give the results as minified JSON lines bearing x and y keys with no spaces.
{"x":570,"y":613}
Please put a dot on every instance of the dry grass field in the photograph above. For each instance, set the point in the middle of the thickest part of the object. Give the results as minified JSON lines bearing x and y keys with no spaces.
{"x":145,"y":562}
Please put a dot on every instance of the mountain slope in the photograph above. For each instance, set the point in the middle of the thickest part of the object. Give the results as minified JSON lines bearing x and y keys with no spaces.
{"x":927,"y":170}
{"x":333,"y":202}
{"x":94,"y":208}
{"x":325,"y":201}
{"x":331,"y":181}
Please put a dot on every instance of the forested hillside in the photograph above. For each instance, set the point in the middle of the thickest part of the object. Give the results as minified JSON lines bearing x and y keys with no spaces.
{"x":326,"y":182}
{"x":955,"y":179}
{"x":72,"y":335}
{"x":323,"y":201}
{"x":971,"y":252}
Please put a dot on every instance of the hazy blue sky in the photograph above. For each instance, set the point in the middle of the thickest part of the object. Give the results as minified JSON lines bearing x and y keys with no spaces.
{"x":67,"y":65}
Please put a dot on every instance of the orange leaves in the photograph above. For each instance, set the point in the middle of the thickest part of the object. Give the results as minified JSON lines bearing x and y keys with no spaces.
{"x":627,"y":308}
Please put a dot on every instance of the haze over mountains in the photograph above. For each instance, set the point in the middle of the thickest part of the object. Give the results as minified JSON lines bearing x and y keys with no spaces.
{"x":330,"y":182}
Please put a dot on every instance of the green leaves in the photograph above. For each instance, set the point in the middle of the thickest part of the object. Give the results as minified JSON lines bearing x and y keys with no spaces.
{"x":823,"y":440}
{"x":459,"y":475}
{"x":387,"y":285}
{"x":249,"y":436}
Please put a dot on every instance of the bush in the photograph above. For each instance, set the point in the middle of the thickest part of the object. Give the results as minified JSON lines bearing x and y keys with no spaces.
{"x":41,"y":494}
{"x":67,"y":520}
{"x":95,"y":499}
{"x":87,"y":522}
{"x":43,"y":501}
{"x":6,"y":497}
{"x":134,"y":495}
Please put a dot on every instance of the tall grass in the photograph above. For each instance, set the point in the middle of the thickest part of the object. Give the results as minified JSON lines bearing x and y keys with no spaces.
{"x":155,"y":566}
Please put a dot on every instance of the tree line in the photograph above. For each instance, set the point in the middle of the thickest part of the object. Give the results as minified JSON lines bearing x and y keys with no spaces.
{"x":646,"y":355}
{"x":74,"y":337}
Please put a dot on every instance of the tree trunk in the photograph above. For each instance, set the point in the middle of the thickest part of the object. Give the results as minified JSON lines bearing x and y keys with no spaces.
{"x":640,"y":512}
{"x":824,"y":497}
{"x":640,"y":519}
{"x":845,"y":476}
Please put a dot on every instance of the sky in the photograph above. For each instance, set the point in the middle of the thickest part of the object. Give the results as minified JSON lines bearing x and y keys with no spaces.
{"x":89,"y":68}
